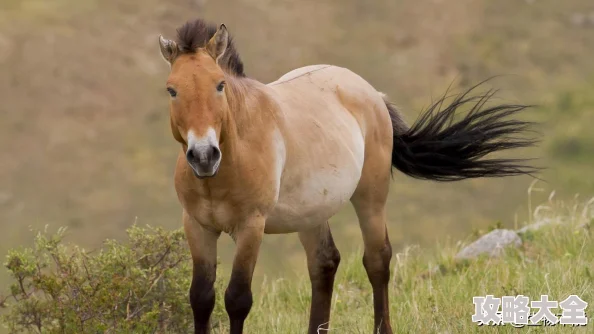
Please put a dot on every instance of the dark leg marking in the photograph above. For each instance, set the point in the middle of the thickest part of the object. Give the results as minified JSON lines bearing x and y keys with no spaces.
{"x":202,"y":296}
{"x":323,"y":259}
{"x":238,"y":300}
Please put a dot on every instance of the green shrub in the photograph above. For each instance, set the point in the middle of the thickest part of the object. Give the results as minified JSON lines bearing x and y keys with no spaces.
{"x":137,"y":286}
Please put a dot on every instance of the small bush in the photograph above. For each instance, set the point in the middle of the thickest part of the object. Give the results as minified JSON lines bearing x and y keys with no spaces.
{"x":138,"y":286}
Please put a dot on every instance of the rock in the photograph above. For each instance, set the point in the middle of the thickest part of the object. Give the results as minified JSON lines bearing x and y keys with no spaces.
{"x":491,"y":243}
{"x":535,"y":226}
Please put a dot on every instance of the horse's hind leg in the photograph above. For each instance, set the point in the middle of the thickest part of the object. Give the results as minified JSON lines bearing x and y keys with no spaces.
{"x":376,"y":259}
{"x":322,"y":262}
{"x":369,"y":201}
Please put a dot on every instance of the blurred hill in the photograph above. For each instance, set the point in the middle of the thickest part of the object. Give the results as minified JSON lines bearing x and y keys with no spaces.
{"x":84,"y":132}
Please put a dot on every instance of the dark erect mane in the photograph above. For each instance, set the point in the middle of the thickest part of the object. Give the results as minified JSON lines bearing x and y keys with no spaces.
{"x":195,"y":34}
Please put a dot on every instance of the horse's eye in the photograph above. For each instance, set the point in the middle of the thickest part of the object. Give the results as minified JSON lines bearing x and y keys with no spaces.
{"x":221,"y":86}
{"x":172,"y":92}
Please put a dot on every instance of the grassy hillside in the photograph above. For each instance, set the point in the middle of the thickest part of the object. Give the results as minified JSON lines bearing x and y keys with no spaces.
{"x":556,"y":260}
{"x":84,"y":134}
{"x":146,"y":278}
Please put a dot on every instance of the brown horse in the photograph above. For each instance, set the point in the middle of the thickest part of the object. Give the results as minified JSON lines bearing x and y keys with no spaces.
{"x":284,"y":157}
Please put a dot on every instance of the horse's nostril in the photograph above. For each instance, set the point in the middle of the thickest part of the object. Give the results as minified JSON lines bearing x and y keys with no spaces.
{"x":190,"y":155}
{"x":216,"y":154}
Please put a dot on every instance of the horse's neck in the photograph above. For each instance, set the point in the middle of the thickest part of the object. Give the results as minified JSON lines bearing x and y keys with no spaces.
{"x":251,"y":110}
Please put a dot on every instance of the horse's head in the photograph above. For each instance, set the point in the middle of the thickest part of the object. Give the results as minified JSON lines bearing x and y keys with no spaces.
{"x":198,"y":105}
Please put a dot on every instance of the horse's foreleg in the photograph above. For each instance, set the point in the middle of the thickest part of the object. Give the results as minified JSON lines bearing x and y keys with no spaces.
{"x":322,"y":262}
{"x":203,"y":246}
{"x":238,"y":297}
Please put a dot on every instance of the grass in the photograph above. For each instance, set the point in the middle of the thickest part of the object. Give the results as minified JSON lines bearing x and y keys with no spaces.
{"x":557,"y":260}
{"x":430,"y":292}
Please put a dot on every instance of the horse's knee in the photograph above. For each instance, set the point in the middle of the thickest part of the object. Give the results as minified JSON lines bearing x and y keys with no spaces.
{"x":238,"y":300}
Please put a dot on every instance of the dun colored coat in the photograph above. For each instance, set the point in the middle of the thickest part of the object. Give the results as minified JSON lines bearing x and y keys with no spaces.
{"x":284,"y":157}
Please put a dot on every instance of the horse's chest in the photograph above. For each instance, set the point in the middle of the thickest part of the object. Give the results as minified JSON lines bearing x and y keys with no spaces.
{"x":218,"y":215}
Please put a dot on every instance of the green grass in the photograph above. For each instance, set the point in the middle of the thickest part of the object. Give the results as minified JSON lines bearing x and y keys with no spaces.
{"x":557,"y":260}
{"x":430,"y":292}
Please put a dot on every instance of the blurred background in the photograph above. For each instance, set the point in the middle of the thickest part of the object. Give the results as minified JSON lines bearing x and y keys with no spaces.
{"x":84,"y":130}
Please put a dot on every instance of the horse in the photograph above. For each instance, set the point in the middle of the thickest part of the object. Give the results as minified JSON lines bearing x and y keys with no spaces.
{"x":284,"y":157}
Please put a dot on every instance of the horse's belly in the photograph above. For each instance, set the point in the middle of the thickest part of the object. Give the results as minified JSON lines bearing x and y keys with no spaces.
{"x":313,"y":203}
{"x":314,"y":198}
{"x":324,"y":158}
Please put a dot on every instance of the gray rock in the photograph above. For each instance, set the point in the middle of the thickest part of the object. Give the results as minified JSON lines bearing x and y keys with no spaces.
{"x":535,"y":226}
{"x":491,"y":243}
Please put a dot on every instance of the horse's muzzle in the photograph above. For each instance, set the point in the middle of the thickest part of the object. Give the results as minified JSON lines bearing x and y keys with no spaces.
{"x":204,"y":160}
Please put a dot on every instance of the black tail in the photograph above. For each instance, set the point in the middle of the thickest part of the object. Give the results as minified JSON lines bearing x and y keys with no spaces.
{"x":437,"y":147}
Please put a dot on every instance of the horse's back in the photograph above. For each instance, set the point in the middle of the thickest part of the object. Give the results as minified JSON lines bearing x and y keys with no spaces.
{"x":334,"y":86}
{"x":298,"y":72}
{"x":325,"y":112}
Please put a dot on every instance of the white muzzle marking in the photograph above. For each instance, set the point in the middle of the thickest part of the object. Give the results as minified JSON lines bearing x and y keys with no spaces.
{"x":203,"y":154}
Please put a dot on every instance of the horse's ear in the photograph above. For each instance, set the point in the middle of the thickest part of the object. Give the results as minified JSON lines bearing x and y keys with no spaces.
{"x":218,"y":43}
{"x":169,"y":49}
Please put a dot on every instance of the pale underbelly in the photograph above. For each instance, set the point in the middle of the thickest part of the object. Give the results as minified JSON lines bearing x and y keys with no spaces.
{"x":314,"y":201}
{"x":324,"y":161}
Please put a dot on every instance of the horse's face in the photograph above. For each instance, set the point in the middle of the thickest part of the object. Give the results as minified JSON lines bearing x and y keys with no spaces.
{"x":198,"y":105}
